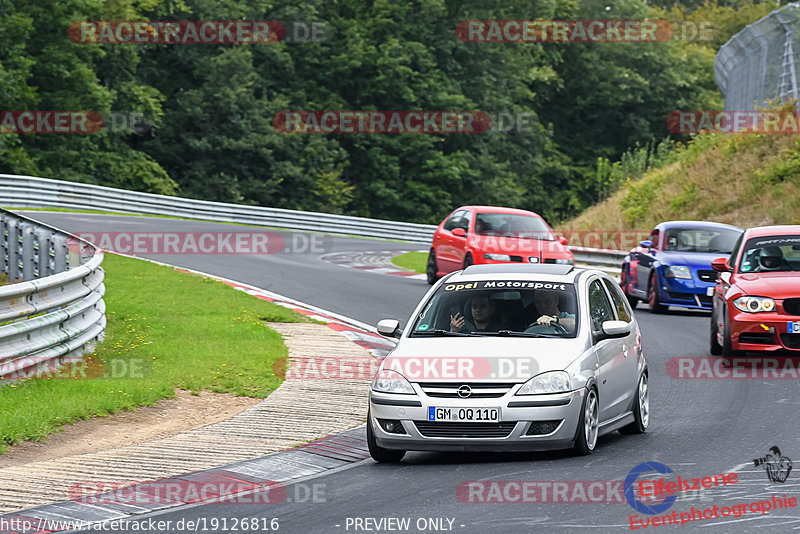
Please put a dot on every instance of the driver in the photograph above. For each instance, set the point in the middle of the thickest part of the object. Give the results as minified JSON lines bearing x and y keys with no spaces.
{"x":482,"y":308}
{"x":546,"y":302}
{"x":771,"y":259}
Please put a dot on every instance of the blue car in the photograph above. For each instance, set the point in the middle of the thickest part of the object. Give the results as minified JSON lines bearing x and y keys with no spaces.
{"x":673,"y":267}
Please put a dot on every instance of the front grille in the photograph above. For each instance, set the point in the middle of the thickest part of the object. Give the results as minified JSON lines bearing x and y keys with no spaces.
{"x":431,"y":429}
{"x":707,"y":276}
{"x":480,"y":390}
{"x":541,"y":428}
{"x":516,"y":258}
{"x":791,"y":341}
{"x":705,"y":300}
{"x":755,"y":337}
{"x":792,"y":306}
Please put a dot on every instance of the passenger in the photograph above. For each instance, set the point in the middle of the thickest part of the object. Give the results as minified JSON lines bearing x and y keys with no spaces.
{"x":546,"y":302}
{"x":482,"y":309}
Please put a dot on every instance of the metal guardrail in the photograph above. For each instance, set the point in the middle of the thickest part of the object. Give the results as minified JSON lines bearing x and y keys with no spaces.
{"x":31,"y":192}
{"x":52,"y":309}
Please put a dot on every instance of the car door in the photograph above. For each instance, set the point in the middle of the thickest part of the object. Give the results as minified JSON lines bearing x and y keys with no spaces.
{"x":446,"y":255}
{"x":724,"y":282}
{"x":630,"y":361}
{"x":460,"y":243}
{"x":646,"y":260}
{"x":611,"y":382}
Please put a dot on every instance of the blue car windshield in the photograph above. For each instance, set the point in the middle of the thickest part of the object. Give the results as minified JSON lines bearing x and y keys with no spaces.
{"x":717,"y":240}
{"x":500,"y":307}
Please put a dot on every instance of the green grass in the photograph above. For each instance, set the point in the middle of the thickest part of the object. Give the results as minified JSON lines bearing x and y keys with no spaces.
{"x":182,"y":331}
{"x":415,"y":261}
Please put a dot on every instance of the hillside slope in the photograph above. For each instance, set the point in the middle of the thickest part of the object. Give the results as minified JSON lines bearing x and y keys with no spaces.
{"x":743,"y":179}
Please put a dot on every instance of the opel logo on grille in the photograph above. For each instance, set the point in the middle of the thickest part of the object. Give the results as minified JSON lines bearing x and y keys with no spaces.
{"x":464,"y":391}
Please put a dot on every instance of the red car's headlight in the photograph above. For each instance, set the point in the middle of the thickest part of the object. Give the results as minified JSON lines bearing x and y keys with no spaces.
{"x":754,"y":304}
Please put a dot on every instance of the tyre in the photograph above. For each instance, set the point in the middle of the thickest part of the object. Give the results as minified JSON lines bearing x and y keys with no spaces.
{"x":624,"y":283}
{"x":379,"y":454}
{"x":641,"y":409}
{"x":432,"y":268}
{"x":468,"y":260}
{"x":727,"y":346}
{"x":652,"y":294}
{"x":714,"y":347}
{"x":588,"y":425}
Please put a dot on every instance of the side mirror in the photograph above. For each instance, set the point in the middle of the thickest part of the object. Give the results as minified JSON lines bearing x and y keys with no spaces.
{"x":563,"y":240}
{"x":721,"y":265}
{"x":613,"y":329}
{"x":646,"y":244}
{"x":389,"y":328}
{"x":459,"y":232}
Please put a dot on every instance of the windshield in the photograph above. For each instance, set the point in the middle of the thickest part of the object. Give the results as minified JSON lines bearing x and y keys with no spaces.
{"x":701,"y":240}
{"x":500,"y":308}
{"x":525,"y":226}
{"x":771,"y":254}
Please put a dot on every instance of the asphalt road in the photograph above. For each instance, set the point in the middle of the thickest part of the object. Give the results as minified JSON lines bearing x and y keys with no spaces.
{"x":699,"y":427}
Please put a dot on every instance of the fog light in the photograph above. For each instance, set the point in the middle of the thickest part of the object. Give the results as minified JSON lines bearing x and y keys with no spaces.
{"x":542,"y":428}
{"x":391,"y":426}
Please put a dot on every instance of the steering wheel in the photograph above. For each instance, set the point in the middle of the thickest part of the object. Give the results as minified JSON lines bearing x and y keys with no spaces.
{"x":535,"y":328}
{"x":509,"y":234}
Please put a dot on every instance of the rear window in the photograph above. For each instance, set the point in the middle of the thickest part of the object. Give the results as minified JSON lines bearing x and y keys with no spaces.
{"x":778,"y":253}
{"x":509,"y":225}
{"x":499,"y":308}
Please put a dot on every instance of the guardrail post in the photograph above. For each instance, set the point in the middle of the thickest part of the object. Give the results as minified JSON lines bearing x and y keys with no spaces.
{"x":11,"y":252}
{"x":27,"y":261}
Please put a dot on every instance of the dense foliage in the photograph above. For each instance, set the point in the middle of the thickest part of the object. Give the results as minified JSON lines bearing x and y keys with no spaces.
{"x":209,"y":108}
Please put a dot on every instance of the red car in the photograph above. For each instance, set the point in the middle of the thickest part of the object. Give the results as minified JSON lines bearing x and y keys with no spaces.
{"x":487,"y":234}
{"x":756,"y":301}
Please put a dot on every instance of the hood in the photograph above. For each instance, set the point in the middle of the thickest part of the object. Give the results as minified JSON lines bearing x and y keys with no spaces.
{"x":776,"y":285}
{"x":515,"y":246}
{"x":501,"y":359}
{"x":696,"y":260}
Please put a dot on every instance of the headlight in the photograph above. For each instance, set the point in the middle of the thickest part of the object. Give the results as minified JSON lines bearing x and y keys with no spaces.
{"x":754,"y":304}
{"x":678,"y":271}
{"x":389,"y":381}
{"x":497,"y":257}
{"x":550,"y":382}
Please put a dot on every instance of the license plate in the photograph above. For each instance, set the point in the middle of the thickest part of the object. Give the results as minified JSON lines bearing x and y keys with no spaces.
{"x":794,"y":328}
{"x":710,"y":291}
{"x":473,"y":415}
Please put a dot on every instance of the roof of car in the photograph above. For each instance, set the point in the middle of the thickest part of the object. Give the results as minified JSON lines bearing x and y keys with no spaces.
{"x":498,"y":209}
{"x":694,"y":224}
{"x":773,"y":230}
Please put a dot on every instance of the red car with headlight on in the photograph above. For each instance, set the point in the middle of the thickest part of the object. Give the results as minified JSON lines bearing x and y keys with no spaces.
{"x":474,"y":235}
{"x":756,"y":302}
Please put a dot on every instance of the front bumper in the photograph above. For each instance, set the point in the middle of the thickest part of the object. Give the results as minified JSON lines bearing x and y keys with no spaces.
{"x":763,"y":332}
{"x":686,"y":293}
{"x":564,"y":407}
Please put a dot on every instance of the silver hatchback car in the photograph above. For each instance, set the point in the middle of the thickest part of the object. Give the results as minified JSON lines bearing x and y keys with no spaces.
{"x":510,"y":357}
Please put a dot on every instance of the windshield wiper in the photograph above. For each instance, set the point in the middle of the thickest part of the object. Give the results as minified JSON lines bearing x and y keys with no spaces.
{"x":514,"y":333}
{"x":440,"y":333}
